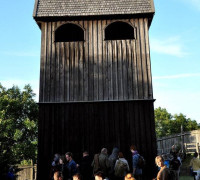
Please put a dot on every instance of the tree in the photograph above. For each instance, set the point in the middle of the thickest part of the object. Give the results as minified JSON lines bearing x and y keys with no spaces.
{"x":167,"y":124}
{"x":181,"y":120}
{"x":162,"y":122}
{"x":18,"y":126}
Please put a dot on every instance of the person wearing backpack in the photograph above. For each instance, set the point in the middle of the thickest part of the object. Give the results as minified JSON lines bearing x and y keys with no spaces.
{"x":175,"y":165}
{"x":137,"y":171}
{"x":101,"y":163}
{"x":121,"y":167}
{"x":112,"y":159}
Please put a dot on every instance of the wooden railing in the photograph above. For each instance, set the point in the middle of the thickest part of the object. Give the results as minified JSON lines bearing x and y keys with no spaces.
{"x":191,"y":147}
{"x":189,"y":141}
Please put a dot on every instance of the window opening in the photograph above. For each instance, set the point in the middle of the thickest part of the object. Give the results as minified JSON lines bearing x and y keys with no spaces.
{"x":119,"y":31}
{"x":69,"y":32}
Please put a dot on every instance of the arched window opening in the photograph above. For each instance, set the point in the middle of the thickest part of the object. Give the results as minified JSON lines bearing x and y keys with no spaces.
{"x":69,"y":32}
{"x":119,"y":31}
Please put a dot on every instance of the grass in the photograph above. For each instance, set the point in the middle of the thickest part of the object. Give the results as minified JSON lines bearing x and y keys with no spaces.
{"x":186,"y":178}
{"x":184,"y":167}
{"x":186,"y":162}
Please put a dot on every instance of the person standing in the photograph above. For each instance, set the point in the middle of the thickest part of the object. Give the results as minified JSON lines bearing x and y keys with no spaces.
{"x":55,"y":167}
{"x":175,"y":166}
{"x":137,"y":172}
{"x":112,"y":159}
{"x":71,"y":165}
{"x":104,"y":162}
{"x":99,"y":176}
{"x":129,"y":177}
{"x":164,"y":172}
{"x":195,"y":166}
{"x":85,"y":166}
{"x":173,"y":150}
{"x":101,"y":162}
{"x":77,"y":176}
{"x":121,"y":167}
{"x":11,"y":174}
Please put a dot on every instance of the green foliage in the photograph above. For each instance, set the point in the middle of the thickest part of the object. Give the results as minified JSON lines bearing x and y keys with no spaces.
{"x":166,"y":124}
{"x":26,"y":162}
{"x":18,"y":125}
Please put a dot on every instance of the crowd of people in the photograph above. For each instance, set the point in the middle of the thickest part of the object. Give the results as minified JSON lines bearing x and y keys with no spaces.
{"x":168,"y":165}
{"x":116,"y":167}
{"x":101,"y":167}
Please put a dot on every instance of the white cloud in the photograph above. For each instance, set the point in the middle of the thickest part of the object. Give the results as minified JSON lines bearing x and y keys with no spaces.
{"x":177,"y":76}
{"x":194,"y":3}
{"x":170,"y":46}
{"x":21,"y":83}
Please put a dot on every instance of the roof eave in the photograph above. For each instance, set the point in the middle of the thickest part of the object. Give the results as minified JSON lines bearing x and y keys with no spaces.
{"x":107,"y":16}
{"x":35,"y":8}
{"x":153,"y":6}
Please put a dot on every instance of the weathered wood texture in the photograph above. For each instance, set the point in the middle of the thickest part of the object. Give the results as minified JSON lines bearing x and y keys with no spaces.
{"x":91,"y":126}
{"x":27,"y":172}
{"x":95,"y":69}
{"x":165,"y":144}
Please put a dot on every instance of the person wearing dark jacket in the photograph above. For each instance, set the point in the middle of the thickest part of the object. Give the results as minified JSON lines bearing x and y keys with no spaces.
{"x":175,"y":165}
{"x":101,"y":161}
{"x":55,"y":166}
{"x":85,"y":166}
{"x":71,"y":165}
{"x":112,"y":159}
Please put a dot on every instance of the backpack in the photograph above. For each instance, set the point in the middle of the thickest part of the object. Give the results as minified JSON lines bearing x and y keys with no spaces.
{"x":168,"y":174}
{"x":172,"y":175}
{"x":97,"y":167}
{"x":121,"y":169}
{"x":141,"y":162}
{"x":175,"y":164}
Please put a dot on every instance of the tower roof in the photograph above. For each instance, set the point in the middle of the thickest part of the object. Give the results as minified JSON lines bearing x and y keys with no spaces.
{"x":71,"y":8}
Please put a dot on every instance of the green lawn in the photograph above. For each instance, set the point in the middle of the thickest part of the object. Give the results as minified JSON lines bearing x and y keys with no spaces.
{"x":186,"y":178}
{"x":185,"y":170}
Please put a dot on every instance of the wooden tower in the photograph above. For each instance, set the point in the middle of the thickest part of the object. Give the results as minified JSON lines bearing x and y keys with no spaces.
{"x":95,"y":78}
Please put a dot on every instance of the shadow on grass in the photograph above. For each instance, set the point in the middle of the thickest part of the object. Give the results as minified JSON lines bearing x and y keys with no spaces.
{"x":186,"y":178}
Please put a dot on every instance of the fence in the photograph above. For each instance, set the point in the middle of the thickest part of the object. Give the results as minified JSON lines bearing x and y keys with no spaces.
{"x":186,"y":140}
{"x":27,"y":173}
{"x":191,"y":147}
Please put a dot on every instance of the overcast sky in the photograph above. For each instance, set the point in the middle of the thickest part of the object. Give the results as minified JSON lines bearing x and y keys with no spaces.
{"x":174,"y":41}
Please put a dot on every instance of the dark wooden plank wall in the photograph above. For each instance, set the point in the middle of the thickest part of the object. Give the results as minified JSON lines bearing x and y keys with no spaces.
{"x":91,"y":126}
{"x":95,"y":69}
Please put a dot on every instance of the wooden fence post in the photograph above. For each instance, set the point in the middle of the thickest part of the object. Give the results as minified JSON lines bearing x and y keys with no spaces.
{"x":185,"y":144}
{"x":197,"y":148}
{"x":35,"y":170}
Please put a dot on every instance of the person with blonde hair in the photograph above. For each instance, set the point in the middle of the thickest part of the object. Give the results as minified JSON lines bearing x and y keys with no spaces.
{"x":129,"y":177}
{"x":164,"y":173}
{"x":57,"y":176}
{"x":133,"y":178}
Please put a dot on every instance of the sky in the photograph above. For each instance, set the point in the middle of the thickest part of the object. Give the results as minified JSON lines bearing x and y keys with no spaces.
{"x":174,"y":42}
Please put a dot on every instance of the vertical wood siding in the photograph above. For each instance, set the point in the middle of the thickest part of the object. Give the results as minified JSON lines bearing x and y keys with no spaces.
{"x":91,"y":126}
{"x":83,"y":91}
{"x":95,"y":69}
